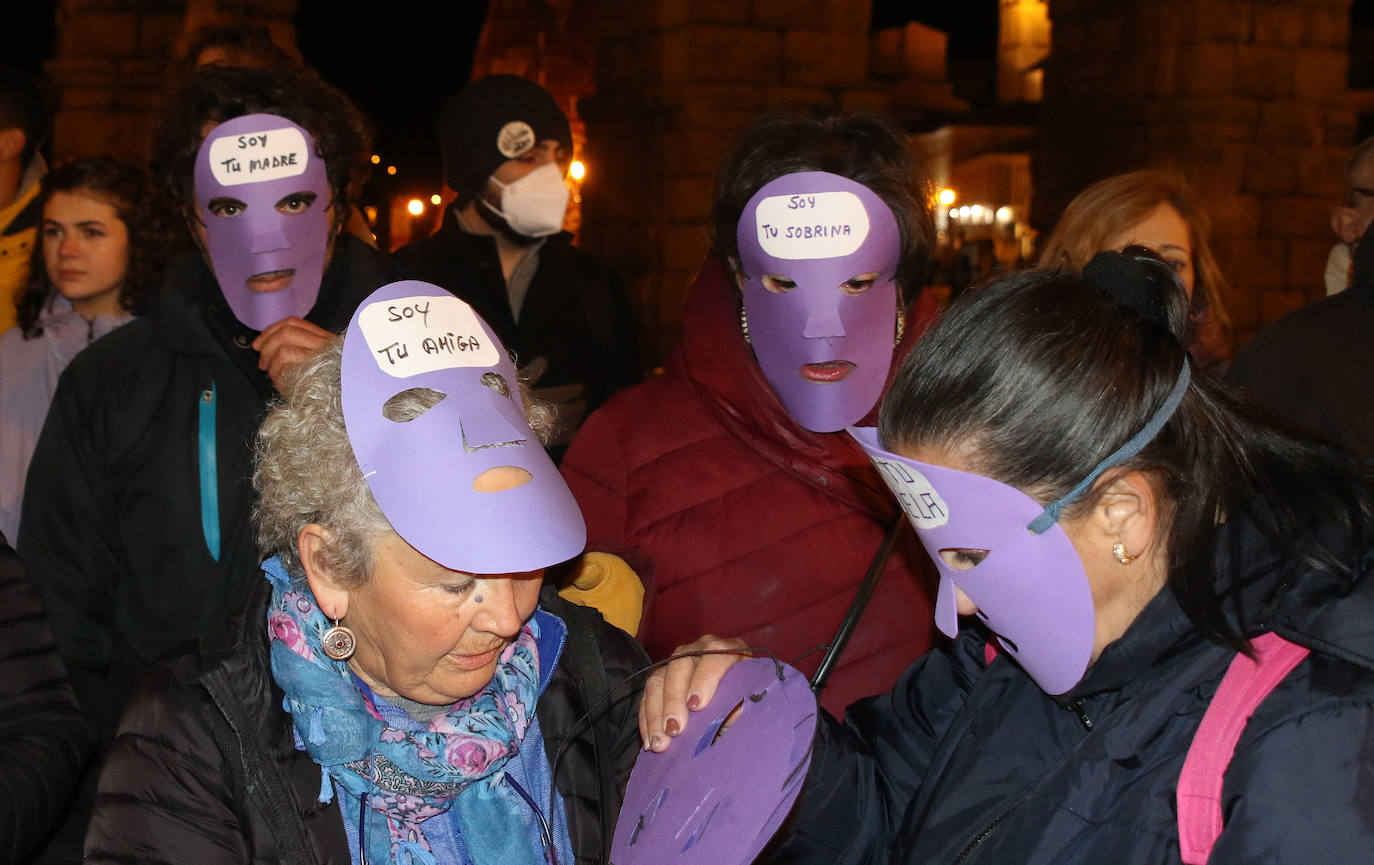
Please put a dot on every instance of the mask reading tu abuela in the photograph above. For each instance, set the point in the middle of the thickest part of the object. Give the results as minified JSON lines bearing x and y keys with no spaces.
{"x":818,"y":260}
{"x":264,"y":198}
{"x":432,"y":474}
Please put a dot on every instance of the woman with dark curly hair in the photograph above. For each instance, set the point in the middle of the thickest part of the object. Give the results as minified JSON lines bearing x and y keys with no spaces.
{"x":105,"y":238}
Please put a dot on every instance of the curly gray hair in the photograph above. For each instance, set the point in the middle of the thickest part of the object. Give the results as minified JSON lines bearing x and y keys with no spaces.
{"x":305,"y":471}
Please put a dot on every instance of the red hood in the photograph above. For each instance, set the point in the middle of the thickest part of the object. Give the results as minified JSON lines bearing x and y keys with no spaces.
{"x":715,"y":361}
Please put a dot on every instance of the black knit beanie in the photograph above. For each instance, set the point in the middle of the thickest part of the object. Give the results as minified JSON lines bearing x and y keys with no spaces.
{"x":491,"y":120}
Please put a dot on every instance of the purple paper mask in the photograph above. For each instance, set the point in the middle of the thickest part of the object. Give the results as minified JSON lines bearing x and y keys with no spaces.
{"x":824,"y":349}
{"x":426,"y":473}
{"x":264,"y":197}
{"x":721,"y":789}
{"x":1031,"y":589}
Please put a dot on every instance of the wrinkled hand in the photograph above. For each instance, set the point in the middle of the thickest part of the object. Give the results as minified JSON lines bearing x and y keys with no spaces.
{"x":285,"y":343}
{"x":686,"y":684}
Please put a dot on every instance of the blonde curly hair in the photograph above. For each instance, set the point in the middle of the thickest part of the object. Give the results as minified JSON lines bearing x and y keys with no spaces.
{"x":305,"y":471}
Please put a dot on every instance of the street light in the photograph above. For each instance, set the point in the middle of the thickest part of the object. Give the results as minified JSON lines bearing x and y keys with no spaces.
{"x":577,"y":169}
{"x":946,"y":197}
{"x":416,"y":207}
{"x":435,"y":199}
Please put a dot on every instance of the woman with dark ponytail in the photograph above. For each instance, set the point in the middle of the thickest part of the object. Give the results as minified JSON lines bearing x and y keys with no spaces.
{"x":1143,"y":562}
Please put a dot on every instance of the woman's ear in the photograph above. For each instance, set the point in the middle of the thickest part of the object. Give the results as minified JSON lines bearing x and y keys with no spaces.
{"x":1126,"y":511}
{"x":329,"y":593}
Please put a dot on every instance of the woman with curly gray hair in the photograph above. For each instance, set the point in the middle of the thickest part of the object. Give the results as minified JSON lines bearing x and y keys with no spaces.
{"x":403,"y":688}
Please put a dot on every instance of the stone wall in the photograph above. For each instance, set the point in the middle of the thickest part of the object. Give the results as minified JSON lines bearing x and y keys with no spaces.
{"x":1246,"y":98}
{"x":675,"y":79}
{"x":112,"y":62}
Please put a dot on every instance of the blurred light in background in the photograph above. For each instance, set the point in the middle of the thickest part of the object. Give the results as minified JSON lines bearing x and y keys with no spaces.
{"x":577,"y":169}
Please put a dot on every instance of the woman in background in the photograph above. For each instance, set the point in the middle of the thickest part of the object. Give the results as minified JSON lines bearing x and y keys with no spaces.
{"x":1158,"y":210}
{"x":104,"y":240}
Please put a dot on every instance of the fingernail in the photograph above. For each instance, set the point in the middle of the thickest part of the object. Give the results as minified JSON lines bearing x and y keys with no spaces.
{"x":672,"y":727}
{"x":645,"y":743}
{"x":655,"y":741}
{"x":694,"y":702}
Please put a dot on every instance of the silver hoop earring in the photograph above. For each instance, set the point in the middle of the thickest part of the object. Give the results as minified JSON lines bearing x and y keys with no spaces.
{"x":339,"y":642}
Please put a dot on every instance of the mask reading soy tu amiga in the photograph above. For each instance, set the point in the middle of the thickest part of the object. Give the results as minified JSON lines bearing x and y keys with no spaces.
{"x":1030,"y":589}
{"x":432,"y":474}
{"x":819,"y":258}
{"x":263,"y":195}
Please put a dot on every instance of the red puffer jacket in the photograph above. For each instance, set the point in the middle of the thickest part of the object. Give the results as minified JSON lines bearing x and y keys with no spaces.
{"x":757,"y":527}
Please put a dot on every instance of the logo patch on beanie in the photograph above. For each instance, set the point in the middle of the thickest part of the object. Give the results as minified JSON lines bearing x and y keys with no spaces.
{"x":514,"y":139}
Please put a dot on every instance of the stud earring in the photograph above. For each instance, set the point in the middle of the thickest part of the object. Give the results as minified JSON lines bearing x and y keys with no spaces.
{"x":1119,"y":550}
{"x":339,"y":642}
{"x":744,"y":323}
{"x":477,"y":598}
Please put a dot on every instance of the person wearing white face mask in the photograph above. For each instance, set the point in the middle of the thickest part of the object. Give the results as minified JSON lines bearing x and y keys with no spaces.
{"x":501,"y":248}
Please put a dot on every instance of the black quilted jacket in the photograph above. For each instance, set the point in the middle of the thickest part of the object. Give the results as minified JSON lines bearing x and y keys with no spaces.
{"x":205,"y":770}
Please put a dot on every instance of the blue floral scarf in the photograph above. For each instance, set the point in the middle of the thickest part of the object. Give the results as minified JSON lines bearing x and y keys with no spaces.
{"x":404,"y":777}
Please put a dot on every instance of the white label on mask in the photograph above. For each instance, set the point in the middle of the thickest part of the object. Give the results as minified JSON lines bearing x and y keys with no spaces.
{"x":412,"y":335}
{"x":514,"y":139}
{"x":811,"y":225}
{"x":914,"y":493}
{"x":257,"y":156}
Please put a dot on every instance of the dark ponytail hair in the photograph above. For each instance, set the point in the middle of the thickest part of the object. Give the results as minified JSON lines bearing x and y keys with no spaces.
{"x":1036,"y":377}
{"x":147,"y":217}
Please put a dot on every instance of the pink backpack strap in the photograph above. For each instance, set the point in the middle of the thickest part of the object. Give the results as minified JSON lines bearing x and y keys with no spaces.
{"x":1244,"y":686}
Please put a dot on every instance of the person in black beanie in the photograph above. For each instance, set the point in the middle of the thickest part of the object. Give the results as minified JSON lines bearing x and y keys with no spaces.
{"x":507,"y":146}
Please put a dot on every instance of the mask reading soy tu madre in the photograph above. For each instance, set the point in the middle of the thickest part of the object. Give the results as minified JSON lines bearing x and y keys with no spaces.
{"x":263,"y":195}
{"x":819,"y":258}
{"x":1030,"y":589}
{"x":466,"y":482}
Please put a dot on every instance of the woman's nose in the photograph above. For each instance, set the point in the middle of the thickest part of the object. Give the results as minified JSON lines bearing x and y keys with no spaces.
{"x":68,"y":248}
{"x":966,"y":606}
{"x":823,"y":322}
{"x":498,"y":613}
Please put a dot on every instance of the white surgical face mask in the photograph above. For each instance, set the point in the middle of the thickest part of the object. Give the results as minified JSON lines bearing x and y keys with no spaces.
{"x":534,"y":204}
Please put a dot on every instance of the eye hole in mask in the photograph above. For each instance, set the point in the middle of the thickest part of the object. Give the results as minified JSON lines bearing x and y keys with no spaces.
{"x":777,"y":283}
{"x":963,"y":558}
{"x":408,"y":405}
{"x":496,"y":382}
{"x":857,"y":285}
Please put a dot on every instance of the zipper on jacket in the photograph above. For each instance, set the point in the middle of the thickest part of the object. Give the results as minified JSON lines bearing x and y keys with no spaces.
{"x":544,"y":831}
{"x":1076,"y":706}
{"x":208,"y":453}
{"x":987,"y":830}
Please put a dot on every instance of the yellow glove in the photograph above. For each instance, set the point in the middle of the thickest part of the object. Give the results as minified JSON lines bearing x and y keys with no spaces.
{"x":605,"y":582}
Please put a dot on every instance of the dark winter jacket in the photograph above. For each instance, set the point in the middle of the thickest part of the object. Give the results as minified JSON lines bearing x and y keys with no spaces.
{"x":205,"y":768}
{"x":117,"y":530}
{"x":575,"y":313}
{"x":43,"y":741}
{"x":1313,"y":365}
{"x":969,"y":763}
{"x":757,"y":527}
